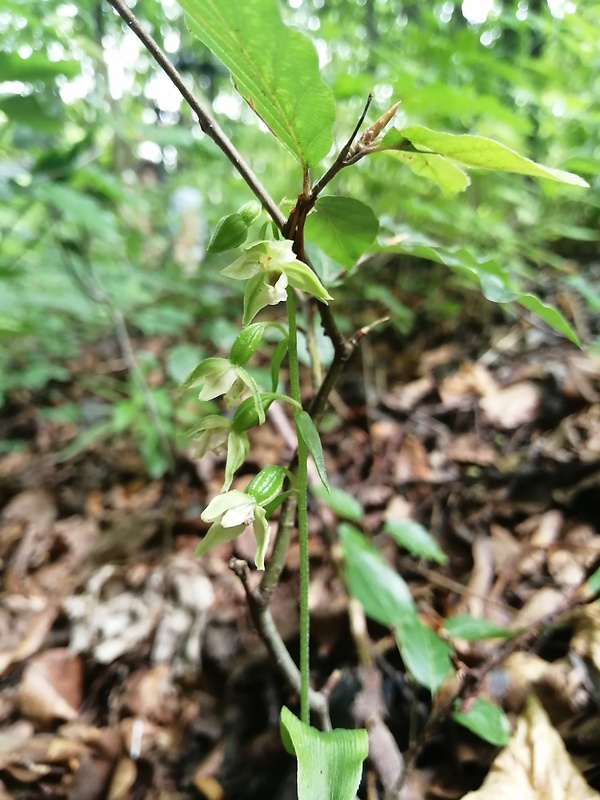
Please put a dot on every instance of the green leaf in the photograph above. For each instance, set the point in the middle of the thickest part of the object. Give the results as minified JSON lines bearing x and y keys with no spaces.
{"x":343,"y":228}
{"x":251,"y":384}
{"x":340,"y":502}
{"x":275,"y":69}
{"x":36,"y":67}
{"x":416,"y":539}
{"x":492,"y":279}
{"x":450,"y":178}
{"x":329,"y":763}
{"x":472,"y":151}
{"x":310,"y":436}
{"x":231,"y":231}
{"x":247,"y":343}
{"x":426,"y":656}
{"x":485,"y":720}
{"x":276,"y":359}
{"x":383,"y":594}
{"x":464,"y":626}
{"x":593,"y":582}
{"x":28,"y":110}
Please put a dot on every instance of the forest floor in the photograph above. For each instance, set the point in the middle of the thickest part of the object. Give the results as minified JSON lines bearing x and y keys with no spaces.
{"x":130,"y":669}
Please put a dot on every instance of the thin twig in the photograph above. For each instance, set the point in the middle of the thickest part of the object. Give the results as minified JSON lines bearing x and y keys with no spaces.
{"x":340,"y":161}
{"x":264,"y":624}
{"x":207,"y":122}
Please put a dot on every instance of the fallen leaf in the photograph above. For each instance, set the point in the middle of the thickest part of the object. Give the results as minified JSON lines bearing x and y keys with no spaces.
{"x":51,"y":687}
{"x":586,"y":640}
{"x":535,"y":765}
{"x":511,"y":406}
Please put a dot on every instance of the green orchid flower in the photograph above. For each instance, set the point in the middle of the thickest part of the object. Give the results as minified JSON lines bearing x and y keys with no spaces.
{"x":269,"y":267}
{"x":215,"y":434}
{"x":230,"y":514}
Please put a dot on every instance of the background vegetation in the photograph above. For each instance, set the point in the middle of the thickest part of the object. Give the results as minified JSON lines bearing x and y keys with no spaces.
{"x":95,"y":145}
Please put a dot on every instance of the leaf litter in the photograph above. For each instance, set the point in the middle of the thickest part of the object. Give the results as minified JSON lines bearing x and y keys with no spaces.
{"x":130,"y":669}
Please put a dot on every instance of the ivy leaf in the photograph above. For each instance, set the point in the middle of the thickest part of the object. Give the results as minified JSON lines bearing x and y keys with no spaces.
{"x":344,"y":228}
{"x":329,"y":762}
{"x":416,"y":539}
{"x":275,"y":69}
{"x":380,"y":590}
{"x":472,"y":151}
{"x":485,"y":720}
{"x":310,"y":436}
{"x":426,"y":656}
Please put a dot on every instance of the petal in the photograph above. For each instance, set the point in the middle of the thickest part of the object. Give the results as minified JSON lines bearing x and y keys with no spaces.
{"x":277,"y":292}
{"x":238,"y":446}
{"x":242,"y":515}
{"x":217,"y":534}
{"x":233,"y":396}
{"x":242,"y":268}
{"x":222,"y":503}
{"x":262,"y":534}
{"x":218,"y":383}
{"x":210,"y":440}
{"x":302,"y":277}
{"x":255,"y":298}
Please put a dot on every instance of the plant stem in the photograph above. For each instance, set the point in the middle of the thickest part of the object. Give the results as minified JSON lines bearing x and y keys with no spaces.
{"x":302,"y":494}
{"x":207,"y":122}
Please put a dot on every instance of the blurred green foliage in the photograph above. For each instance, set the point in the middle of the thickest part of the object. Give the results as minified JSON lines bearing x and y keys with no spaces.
{"x":95,"y":143}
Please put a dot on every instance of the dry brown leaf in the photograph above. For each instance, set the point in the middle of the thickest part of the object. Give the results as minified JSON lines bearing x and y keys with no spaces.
{"x":535,"y":765}
{"x":150,"y":695}
{"x":544,"y":601}
{"x":470,"y":380}
{"x":586,"y":640}
{"x":122,"y":780}
{"x":51,"y":687}
{"x":411,"y":461}
{"x":511,"y":406}
{"x":468,"y":448}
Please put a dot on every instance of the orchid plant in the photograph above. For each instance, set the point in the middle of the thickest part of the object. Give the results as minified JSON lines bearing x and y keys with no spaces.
{"x":275,"y":68}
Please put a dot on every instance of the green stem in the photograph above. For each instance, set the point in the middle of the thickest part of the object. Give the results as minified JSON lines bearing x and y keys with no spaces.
{"x":302,"y":493}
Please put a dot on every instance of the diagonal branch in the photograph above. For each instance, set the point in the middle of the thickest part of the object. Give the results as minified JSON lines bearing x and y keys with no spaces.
{"x":207,"y":122}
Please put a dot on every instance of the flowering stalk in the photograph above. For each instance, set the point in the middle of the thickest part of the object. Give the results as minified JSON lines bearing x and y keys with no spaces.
{"x":302,"y":494}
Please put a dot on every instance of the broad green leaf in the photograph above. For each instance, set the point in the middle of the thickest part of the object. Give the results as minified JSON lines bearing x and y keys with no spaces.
{"x":310,"y":436}
{"x":492,"y":279}
{"x":464,"y":626}
{"x":450,"y":178}
{"x":472,"y":151}
{"x":78,"y":208}
{"x":340,"y":502}
{"x":416,"y":539}
{"x":343,"y":228}
{"x":382,"y":592}
{"x":329,"y":762}
{"x":485,"y":720}
{"x":275,"y":69}
{"x":28,"y":110}
{"x":36,"y":67}
{"x":426,"y":656}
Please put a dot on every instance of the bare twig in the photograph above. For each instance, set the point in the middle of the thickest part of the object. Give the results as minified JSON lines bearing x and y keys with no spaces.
{"x":340,"y":161}
{"x":264,"y":624}
{"x":207,"y":122}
